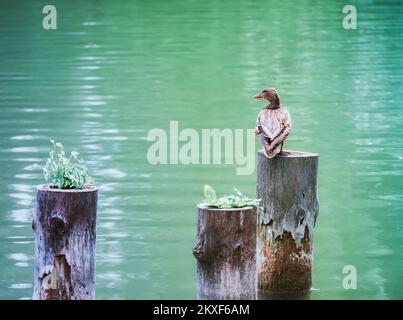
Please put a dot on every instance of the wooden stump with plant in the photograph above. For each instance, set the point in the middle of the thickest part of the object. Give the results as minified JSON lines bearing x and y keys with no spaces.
{"x":64,"y":223}
{"x":225,"y":248}
{"x":287,"y":185}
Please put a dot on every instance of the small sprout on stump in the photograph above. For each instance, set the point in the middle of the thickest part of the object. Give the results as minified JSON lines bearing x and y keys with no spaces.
{"x":238,"y":200}
{"x":64,"y":172}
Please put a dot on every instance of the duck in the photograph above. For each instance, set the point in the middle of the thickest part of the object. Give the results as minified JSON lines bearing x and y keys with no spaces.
{"x":273,"y":123}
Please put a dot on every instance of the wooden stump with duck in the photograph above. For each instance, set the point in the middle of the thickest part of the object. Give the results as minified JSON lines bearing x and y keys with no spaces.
{"x":287,"y":185}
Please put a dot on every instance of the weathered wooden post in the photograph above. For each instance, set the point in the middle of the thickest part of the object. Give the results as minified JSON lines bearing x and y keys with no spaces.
{"x":65,"y":232}
{"x":226,"y":253}
{"x":287,"y":185}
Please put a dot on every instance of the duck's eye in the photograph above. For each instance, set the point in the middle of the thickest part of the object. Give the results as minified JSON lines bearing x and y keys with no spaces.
{"x":265,"y":91}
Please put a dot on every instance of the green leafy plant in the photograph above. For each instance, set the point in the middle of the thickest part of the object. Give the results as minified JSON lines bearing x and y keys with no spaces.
{"x":238,"y":200}
{"x":64,"y":172}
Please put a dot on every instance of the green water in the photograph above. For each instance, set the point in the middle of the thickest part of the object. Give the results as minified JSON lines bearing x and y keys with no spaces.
{"x":113,"y":70}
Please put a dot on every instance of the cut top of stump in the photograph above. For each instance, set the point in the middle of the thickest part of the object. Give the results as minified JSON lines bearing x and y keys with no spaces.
{"x":46,"y":187}
{"x":292,"y":154}
{"x":205,"y":206}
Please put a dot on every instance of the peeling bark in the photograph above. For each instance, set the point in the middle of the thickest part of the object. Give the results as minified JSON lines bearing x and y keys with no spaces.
{"x":65,"y":232}
{"x":225,"y":250}
{"x":287,"y":185}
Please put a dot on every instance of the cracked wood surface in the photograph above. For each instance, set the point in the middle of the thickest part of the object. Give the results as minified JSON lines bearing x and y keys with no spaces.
{"x":287,"y":185}
{"x":225,"y":250}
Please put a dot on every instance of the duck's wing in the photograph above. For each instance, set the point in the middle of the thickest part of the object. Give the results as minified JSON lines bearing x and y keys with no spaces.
{"x":269,"y":125}
{"x":287,"y":123}
{"x":265,"y":129}
{"x":259,"y":127}
{"x":285,"y":128}
{"x":275,"y":123}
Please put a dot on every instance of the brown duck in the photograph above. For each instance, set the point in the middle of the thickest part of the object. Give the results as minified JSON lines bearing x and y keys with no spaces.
{"x":273,"y":124}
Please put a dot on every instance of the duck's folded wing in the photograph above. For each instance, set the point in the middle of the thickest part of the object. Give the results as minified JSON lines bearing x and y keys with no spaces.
{"x":266,"y":131}
{"x":274,"y":122}
{"x":285,"y":128}
{"x":287,"y":124}
{"x":258,"y":122}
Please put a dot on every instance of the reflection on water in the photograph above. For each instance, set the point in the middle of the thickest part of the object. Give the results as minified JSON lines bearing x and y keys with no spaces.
{"x":110,"y":73}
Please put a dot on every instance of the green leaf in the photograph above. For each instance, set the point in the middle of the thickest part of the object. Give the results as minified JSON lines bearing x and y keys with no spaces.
{"x":238,"y":200}
{"x":74,"y":154}
{"x":209,"y":194}
{"x":238,"y":193}
{"x":34,"y":166}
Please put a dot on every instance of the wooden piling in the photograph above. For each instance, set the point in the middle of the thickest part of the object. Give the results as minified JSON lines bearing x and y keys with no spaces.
{"x":287,"y":185}
{"x":65,"y":232}
{"x":226,"y":253}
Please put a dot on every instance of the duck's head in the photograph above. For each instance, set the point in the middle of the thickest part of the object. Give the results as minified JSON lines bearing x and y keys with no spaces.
{"x":269,"y":94}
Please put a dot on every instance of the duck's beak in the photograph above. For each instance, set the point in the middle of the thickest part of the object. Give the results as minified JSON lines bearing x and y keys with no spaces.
{"x":258,"y":96}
